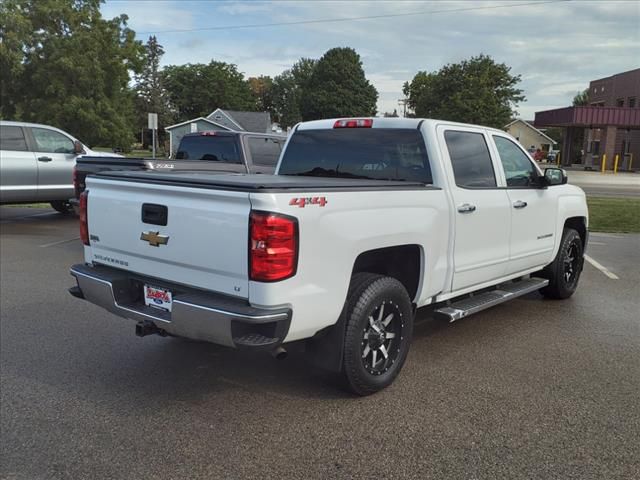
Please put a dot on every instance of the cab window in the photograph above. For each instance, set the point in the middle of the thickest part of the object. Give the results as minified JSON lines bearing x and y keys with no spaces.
{"x":519,"y":171}
{"x":51,"y":141}
{"x":264,"y":151}
{"x":470,"y":159}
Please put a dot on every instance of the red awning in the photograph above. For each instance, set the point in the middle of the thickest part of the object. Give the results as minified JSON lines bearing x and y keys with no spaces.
{"x":590,"y":117}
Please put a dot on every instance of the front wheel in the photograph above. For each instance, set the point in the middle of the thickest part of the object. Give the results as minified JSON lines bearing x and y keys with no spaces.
{"x":379,"y":326}
{"x":564,"y":273}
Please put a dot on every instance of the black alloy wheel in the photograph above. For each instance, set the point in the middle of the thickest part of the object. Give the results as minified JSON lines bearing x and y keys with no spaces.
{"x":379,"y":326}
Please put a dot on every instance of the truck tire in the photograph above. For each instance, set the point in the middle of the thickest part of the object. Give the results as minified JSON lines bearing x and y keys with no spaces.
{"x":379,"y":326}
{"x":564,"y":272}
{"x":61,"y":206}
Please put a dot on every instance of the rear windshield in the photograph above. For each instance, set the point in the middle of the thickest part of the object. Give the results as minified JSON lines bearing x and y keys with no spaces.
{"x":372,"y":153}
{"x":209,"y":147}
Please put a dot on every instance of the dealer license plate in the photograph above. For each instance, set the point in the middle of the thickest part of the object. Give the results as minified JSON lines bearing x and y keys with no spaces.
{"x":157,"y":297}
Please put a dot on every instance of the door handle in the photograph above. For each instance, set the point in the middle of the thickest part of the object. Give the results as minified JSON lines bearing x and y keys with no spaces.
{"x":466,"y":208}
{"x":44,"y":159}
{"x":519,"y":204}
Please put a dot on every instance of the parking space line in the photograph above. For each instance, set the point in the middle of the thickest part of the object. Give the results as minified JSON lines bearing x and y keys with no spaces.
{"x":59,"y":242}
{"x":602,"y":268}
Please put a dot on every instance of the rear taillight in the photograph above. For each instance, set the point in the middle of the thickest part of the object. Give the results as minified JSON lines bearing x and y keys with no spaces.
{"x":273,"y":246}
{"x":84,"y":221}
{"x":353,"y":123}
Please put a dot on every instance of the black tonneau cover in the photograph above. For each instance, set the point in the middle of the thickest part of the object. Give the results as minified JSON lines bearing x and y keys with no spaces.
{"x":258,"y":182}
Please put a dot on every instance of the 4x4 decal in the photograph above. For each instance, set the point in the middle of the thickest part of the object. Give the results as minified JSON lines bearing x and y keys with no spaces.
{"x":302,"y":202}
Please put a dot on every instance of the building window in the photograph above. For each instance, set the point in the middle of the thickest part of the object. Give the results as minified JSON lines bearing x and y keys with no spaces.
{"x":632,"y":102}
{"x":620,"y":102}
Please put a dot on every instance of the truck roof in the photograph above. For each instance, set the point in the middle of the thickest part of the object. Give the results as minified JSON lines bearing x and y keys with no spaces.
{"x":385,"y":122}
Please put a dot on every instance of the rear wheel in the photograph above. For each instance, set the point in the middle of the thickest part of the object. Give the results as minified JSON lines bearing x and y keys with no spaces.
{"x":61,"y":206}
{"x":564,"y":273}
{"x":379,"y":325}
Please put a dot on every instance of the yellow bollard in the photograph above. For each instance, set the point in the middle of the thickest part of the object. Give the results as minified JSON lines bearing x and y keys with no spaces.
{"x":615,"y":164}
{"x":558,"y":159}
{"x":604,"y":163}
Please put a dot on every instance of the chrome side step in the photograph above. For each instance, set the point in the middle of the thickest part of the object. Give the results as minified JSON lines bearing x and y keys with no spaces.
{"x":469,"y":306}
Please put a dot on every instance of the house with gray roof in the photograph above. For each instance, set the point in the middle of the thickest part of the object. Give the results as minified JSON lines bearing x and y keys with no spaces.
{"x":219,"y":119}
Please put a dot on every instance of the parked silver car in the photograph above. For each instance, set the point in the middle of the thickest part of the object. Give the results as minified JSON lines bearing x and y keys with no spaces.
{"x":36,"y":164}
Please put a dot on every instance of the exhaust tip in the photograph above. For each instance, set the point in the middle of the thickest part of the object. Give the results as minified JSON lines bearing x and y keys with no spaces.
{"x":279,"y":353}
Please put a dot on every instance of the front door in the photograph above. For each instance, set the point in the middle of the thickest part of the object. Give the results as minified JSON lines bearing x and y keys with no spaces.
{"x":55,"y":158}
{"x":533,"y":209}
{"x":481,"y":209}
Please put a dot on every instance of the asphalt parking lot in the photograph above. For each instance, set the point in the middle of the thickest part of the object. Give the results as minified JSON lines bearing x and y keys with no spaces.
{"x":530,"y":389}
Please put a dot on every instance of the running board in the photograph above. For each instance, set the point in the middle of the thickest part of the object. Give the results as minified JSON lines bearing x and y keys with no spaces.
{"x":469,"y":306}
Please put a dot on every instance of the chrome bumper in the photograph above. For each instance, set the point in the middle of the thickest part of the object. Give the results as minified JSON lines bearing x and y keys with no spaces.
{"x":195,"y":314}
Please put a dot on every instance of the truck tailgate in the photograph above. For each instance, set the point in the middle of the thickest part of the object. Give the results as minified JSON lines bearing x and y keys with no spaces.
{"x":203,"y":244}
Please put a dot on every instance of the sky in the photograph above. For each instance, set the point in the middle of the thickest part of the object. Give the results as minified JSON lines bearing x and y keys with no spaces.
{"x":556,"y":46}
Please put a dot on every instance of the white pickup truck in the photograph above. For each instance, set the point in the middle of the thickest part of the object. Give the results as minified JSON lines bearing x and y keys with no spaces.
{"x":365,"y":221}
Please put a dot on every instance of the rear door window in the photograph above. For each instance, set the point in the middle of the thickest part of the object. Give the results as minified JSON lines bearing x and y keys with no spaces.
{"x":372,"y":153}
{"x":210,"y":147}
{"x":264,"y":151}
{"x":12,"y":138}
{"x":51,"y":141}
{"x":470,"y":159}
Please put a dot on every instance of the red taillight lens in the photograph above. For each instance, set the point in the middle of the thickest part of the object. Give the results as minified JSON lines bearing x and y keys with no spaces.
{"x":84,"y":222}
{"x":273,"y":246}
{"x":354,"y":123}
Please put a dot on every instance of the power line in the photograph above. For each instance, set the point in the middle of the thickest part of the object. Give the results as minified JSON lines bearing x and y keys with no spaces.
{"x":349,"y":19}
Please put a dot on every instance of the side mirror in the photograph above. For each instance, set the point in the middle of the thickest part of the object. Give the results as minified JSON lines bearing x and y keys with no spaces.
{"x":78,"y":148}
{"x":555,"y":176}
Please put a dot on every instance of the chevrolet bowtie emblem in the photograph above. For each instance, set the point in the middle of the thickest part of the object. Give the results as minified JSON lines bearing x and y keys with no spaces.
{"x":154,"y":238}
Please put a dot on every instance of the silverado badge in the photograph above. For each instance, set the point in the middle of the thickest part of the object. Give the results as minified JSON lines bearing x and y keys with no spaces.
{"x":154,"y":238}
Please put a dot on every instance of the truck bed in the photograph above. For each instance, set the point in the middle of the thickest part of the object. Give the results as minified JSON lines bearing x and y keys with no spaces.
{"x":259,"y":182}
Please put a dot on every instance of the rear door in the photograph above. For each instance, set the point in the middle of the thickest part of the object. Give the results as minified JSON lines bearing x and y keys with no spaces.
{"x":482,"y":214}
{"x":533,"y":209}
{"x":193,"y":236}
{"x":263,"y":153}
{"x":18,"y":169}
{"x":55,"y":155}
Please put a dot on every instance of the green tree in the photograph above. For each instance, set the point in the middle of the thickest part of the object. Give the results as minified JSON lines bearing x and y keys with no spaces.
{"x":262,"y":90}
{"x":288,"y":91}
{"x":69,"y":67}
{"x":151,"y":96}
{"x":477,"y":90}
{"x":338,"y":87}
{"x":581,"y":99}
{"x":196,"y":90}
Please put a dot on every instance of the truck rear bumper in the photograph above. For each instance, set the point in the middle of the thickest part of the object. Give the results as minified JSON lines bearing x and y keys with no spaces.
{"x":194,"y":314}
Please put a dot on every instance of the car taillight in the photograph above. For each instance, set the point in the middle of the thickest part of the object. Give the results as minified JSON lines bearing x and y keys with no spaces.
{"x":84,"y":221}
{"x":354,"y":123}
{"x":273,"y":246}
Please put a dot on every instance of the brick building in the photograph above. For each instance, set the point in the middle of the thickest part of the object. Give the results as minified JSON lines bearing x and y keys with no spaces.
{"x":611,"y":123}
{"x":620,"y":90}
